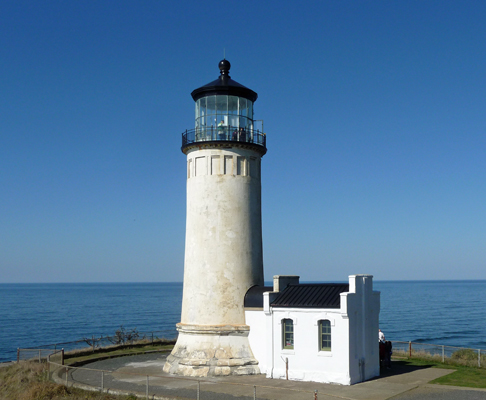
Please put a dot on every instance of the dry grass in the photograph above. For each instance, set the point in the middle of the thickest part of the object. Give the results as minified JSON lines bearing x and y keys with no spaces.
{"x":28,"y":381}
{"x":463,"y":357}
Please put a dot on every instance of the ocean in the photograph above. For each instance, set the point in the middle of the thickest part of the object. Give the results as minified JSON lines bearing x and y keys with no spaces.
{"x":451,"y":313}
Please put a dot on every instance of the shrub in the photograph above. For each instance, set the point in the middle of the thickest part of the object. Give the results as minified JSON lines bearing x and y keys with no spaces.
{"x":123,"y":336}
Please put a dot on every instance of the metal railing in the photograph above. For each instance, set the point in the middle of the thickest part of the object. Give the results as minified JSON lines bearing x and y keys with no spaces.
{"x":121,"y":382}
{"x":442,"y":353}
{"x":226,"y":133}
{"x":93,"y":343}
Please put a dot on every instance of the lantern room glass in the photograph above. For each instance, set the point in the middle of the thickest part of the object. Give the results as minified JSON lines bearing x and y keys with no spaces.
{"x":231,"y":112}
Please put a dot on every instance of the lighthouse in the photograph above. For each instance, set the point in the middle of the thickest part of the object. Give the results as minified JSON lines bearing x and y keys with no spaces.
{"x":223,"y":249}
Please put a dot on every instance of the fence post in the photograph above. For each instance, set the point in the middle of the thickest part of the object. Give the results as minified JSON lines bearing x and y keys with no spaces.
{"x":443,"y":356}
{"x":479,"y":358}
{"x":410,"y":349}
{"x":315,"y":394}
{"x":102,"y":381}
{"x":40,"y":356}
{"x":92,"y":342}
{"x":147,"y":388}
{"x":67,"y":371}
{"x":62,"y":356}
{"x":18,"y":354}
{"x":254,"y":392}
{"x":198,"y":389}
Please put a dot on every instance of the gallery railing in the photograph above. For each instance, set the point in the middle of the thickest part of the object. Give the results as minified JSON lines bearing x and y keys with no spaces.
{"x":224,"y":133}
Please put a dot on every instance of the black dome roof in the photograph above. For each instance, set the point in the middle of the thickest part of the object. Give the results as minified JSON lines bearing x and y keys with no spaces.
{"x":224,"y":85}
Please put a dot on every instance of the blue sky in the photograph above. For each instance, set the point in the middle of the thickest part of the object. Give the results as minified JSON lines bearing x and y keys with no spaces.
{"x":374,"y":113}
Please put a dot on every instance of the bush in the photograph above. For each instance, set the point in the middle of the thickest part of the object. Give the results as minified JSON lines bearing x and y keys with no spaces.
{"x":123,"y":336}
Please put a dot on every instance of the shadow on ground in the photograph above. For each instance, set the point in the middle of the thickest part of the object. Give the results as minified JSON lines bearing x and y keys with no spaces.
{"x":399,"y":368}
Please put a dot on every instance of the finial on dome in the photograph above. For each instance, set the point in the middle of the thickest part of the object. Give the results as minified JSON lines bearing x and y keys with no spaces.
{"x":224,"y":67}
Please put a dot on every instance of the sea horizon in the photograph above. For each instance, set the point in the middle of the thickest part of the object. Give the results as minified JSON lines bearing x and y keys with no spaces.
{"x":443,"y":312}
{"x":304,"y":281}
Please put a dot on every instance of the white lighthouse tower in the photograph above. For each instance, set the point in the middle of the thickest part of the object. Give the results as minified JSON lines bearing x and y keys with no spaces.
{"x":223,"y":256}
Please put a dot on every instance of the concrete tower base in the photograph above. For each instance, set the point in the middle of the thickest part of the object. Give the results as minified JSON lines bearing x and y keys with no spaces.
{"x":212,"y":350}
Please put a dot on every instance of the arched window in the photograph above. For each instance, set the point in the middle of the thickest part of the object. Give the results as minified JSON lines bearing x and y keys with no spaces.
{"x":287,"y":334}
{"x":325,"y":335}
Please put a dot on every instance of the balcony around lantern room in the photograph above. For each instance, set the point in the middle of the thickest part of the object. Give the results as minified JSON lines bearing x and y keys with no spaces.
{"x":224,"y":133}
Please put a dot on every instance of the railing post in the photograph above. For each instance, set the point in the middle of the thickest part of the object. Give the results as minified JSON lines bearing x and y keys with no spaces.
{"x":443,"y":355}
{"x":67,"y":372}
{"x":18,"y":354}
{"x":254,"y":392}
{"x":410,"y":349}
{"x":62,"y":356}
{"x":92,"y":342}
{"x":102,"y":381}
{"x":479,"y":358}
{"x":198,"y":389}
{"x":147,"y":388}
{"x":40,"y":360}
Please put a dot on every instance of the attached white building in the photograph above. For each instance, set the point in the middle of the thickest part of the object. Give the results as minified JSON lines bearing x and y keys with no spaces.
{"x":315,"y":332}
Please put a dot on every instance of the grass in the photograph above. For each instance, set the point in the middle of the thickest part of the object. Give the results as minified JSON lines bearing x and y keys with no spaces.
{"x":466,"y":374}
{"x":28,"y":381}
{"x":81,"y":357}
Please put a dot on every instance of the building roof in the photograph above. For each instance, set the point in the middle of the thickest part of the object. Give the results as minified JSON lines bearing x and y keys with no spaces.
{"x":254,"y":296}
{"x":312,"y":295}
{"x":224,"y":85}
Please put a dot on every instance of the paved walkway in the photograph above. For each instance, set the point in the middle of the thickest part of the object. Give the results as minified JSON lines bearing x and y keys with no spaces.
{"x":129,"y":375}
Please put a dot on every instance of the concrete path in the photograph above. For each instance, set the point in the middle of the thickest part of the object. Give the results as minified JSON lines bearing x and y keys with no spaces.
{"x":129,"y":375}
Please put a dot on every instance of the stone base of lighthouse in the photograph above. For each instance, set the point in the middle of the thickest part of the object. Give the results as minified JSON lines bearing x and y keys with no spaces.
{"x":212,"y":350}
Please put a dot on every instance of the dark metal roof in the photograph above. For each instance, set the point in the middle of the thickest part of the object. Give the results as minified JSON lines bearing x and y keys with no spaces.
{"x":224,"y":85}
{"x":254,"y":296}
{"x":313,"y":295}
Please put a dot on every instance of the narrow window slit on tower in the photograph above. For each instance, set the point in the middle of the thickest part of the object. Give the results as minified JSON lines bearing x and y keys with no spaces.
{"x":228,"y":165}
{"x":215,"y":170}
{"x":200,"y":167}
{"x":241,"y":166}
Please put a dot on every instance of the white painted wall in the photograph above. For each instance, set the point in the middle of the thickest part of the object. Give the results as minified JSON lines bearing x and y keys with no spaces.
{"x":306,"y":362}
{"x":363,"y":308}
{"x":260,"y":337}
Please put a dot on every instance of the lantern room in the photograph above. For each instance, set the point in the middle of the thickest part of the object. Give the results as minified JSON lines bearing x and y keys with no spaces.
{"x":224,"y":113}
